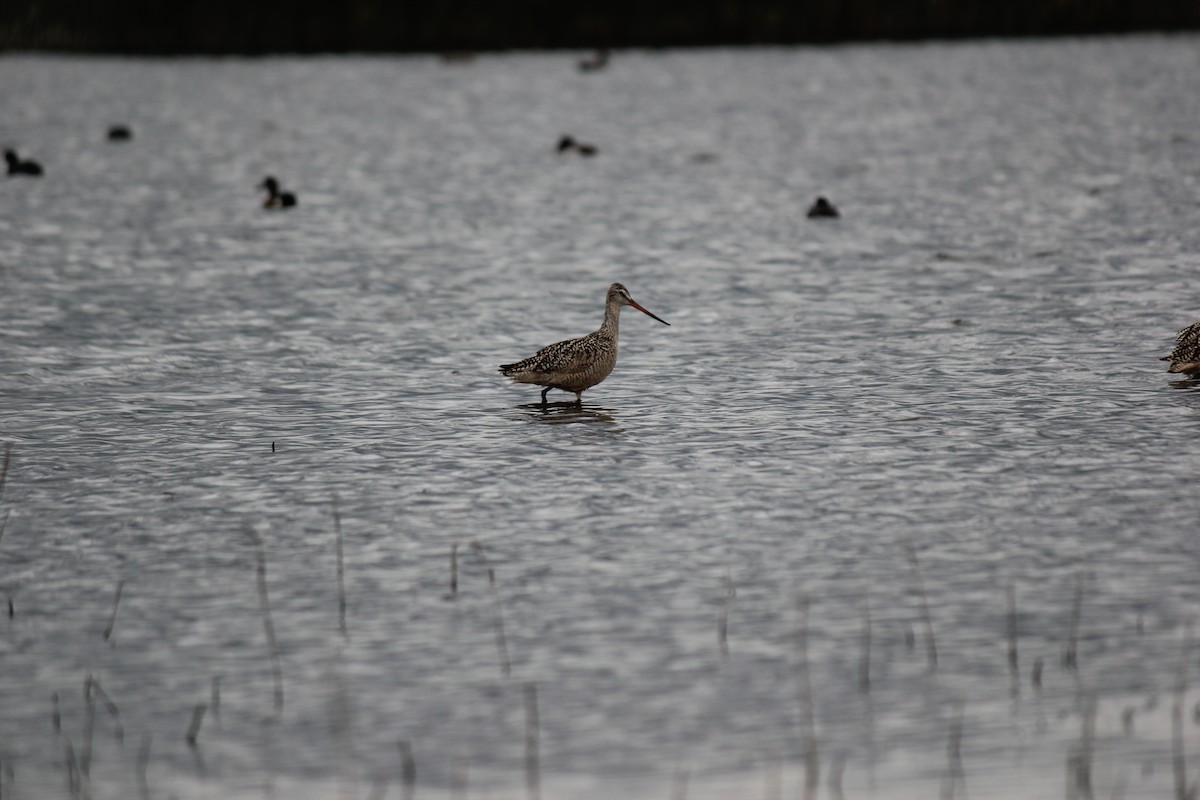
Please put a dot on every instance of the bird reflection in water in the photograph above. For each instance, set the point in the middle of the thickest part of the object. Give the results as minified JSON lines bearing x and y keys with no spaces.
{"x":567,"y":413}
{"x":1188,"y":385}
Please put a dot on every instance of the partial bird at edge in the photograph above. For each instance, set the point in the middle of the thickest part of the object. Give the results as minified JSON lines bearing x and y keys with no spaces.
{"x":1185,"y":357}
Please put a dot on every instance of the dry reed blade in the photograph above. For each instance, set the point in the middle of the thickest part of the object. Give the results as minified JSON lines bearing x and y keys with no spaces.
{"x":4,"y":465}
{"x":408,"y":771}
{"x":956,"y":777}
{"x":89,"y":726}
{"x":836,"y":770}
{"x":1079,"y":758}
{"x":481,"y":557}
{"x":728,"y":592}
{"x":379,"y":787}
{"x":1010,"y":627}
{"x":808,"y":726}
{"x":497,"y":610}
{"x":341,"y":570}
{"x":864,"y":657}
{"x":214,"y":700}
{"x":1011,"y":635}
{"x":926,"y":619}
{"x":533,"y":779}
{"x":453,"y":571}
{"x":112,"y":617}
{"x":1069,"y":657}
{"x":265,"y":603}
{"x":143,"y":761}
{"x":773,"y":779}
{"x":459,"y":777}
{"x":194,"y":726}
{"x":110,"y":707}
{"x":74,"y":781}
{"x":679,"y":785}
{"x":1178,"y":761}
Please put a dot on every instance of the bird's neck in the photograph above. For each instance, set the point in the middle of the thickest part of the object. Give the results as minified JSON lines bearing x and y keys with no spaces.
{"x":612,"y":317}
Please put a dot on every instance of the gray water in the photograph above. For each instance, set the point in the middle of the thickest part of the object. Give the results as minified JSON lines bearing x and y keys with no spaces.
{"x":964,"y":364}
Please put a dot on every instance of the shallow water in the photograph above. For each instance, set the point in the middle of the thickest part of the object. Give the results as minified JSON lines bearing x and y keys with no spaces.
{"x":963,"y":364}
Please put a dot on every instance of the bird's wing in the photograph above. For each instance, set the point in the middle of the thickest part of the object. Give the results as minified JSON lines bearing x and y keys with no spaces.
{"x":1187,"y":346}
{"x":551,"y":358}
{"x":1189,"y":334}
{"x":565,"y":356}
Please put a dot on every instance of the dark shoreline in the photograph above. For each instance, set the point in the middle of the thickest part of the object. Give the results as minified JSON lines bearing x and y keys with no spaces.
{"x":225,"y":27}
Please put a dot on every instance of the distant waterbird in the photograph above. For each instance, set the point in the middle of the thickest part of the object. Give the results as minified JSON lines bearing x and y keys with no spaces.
{"x":822,"y":208}
{"x":21,"y":166}
{"x":568,"y":144}
{"x":1185,"y":357}
{"x":595,"y":62}
{"x":576,"y":365}
{"x":119,"y":133}
{"x":275,"y":197}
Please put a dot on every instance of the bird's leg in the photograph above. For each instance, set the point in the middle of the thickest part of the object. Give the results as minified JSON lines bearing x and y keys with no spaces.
{"x":544,"y":401}
{"x":579,"y":398}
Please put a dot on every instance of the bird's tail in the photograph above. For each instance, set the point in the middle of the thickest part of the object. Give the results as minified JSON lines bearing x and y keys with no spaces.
{"x":519,"y":367}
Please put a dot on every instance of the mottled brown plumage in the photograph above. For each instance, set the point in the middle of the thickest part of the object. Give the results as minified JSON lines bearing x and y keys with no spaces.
{"x":578,"y":364}
{"x":1186,"y":355}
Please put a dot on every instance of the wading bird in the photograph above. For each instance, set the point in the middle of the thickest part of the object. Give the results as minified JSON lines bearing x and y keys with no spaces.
{"x":1186,"y":355}
{"x":578,"y":364}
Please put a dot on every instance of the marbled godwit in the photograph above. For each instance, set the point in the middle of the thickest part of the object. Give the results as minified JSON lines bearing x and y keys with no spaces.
{"x":822,"y":208}
{"x":276,"y":198}
{"x":578,"y":364}
{"x":1186,"y":355}
{"x":19,"y":166}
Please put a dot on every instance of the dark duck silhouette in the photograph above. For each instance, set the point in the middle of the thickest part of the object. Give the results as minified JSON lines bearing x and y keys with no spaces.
{"x":822,"y":208}
{"x":19,"y":166}
{"x":1185,"y":357}
{"x":568,"y":144}
{"x":275,"y":197}
{"x":119,"y":133}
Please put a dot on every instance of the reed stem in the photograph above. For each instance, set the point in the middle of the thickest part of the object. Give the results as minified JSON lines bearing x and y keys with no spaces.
{"x":408,"y":771}
{"x":265,"y":603}
{"x":194,"y":726}
{"x":341,"y":571}
{"x":926,"y":620}
{"x":112,"y":618}
{"x":533,"y":781}
{"x":812,"y":761}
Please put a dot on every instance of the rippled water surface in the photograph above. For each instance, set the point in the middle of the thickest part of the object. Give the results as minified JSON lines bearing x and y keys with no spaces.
{"x":949,"y":392}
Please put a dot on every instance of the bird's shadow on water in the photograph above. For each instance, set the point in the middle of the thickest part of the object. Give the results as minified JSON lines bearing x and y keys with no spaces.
{"x":567,"y":413}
